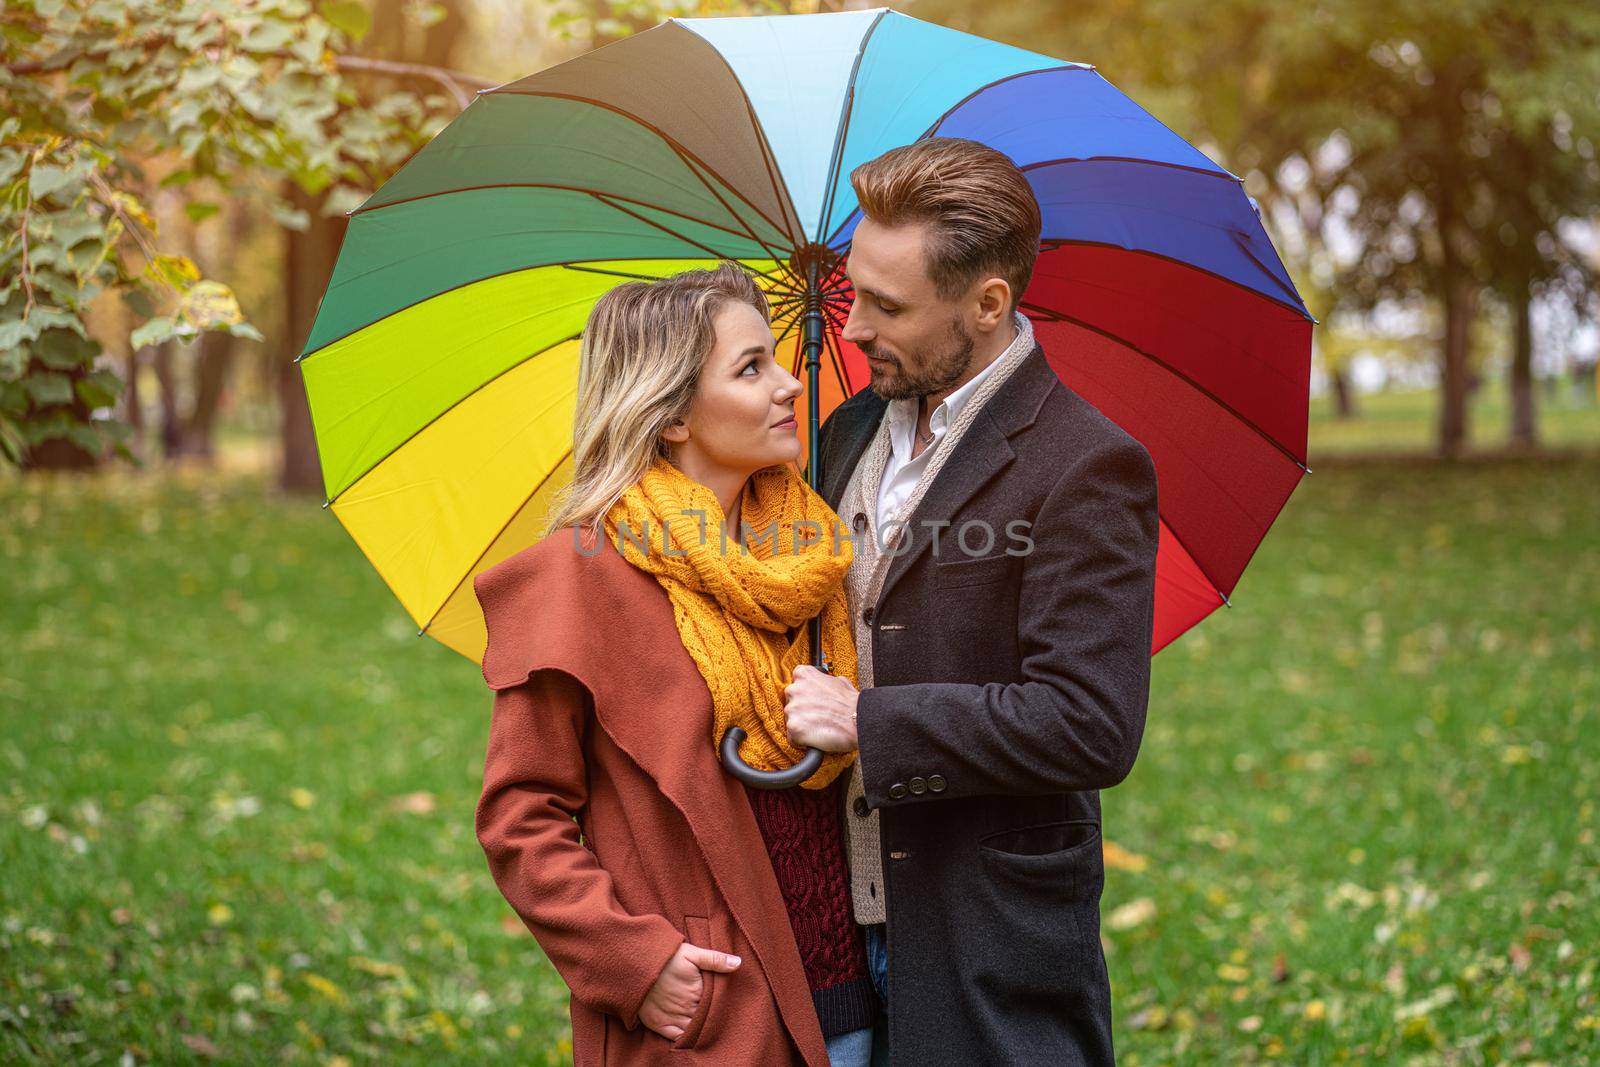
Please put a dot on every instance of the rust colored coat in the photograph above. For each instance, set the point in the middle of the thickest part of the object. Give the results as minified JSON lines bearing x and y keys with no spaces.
{"x":600,"y":713}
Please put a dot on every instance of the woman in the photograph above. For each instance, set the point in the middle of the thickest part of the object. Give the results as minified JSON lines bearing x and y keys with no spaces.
{"x":696,"y":917}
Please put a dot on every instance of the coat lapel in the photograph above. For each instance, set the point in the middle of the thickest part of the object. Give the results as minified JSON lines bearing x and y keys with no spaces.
{"x":857,"y":427}
{"x":983,"y":451}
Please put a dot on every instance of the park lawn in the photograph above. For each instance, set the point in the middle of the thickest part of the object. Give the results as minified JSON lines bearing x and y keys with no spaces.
{"x":1568,"y":417}
{"x":236,"y":819}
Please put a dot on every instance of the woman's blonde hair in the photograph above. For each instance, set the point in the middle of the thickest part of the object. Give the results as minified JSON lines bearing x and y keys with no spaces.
{"x":982,"y":215}
{"x":639,"y":362}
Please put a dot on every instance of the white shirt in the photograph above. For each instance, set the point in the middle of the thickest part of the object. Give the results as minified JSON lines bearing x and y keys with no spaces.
{"x":900,"y":472}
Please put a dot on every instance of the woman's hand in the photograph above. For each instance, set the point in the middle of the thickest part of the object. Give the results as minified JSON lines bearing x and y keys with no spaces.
{"x":672,"y":1001}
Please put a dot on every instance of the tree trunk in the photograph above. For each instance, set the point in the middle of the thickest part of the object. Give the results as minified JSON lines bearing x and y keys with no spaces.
{"x":1523,"y":420}
{"x":1344,"y":396}
{"x":215,"y":357}
{"x":169,"y":426}
{"x":309,"y":258}
{"x":210,"y":381}
{"x":1455,"y":357}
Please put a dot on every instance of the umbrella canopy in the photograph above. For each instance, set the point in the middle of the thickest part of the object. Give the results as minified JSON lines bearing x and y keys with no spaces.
{"x":441,"y":368}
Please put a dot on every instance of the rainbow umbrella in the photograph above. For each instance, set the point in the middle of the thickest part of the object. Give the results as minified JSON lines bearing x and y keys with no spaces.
{"x":442,"y":365}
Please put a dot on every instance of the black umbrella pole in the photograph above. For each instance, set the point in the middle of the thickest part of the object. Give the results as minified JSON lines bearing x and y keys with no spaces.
{"x":811,"y":328}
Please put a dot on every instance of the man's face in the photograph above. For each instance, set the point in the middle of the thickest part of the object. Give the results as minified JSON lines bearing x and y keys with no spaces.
{"x":916,"y":344}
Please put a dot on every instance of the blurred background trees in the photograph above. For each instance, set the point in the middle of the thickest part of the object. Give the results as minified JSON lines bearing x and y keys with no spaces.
{"x":176,"y":177}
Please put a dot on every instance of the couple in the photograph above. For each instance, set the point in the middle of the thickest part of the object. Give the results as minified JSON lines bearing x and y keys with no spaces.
{"x":931,"y":894}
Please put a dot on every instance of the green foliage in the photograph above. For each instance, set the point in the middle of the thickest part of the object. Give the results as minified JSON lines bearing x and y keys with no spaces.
{"x":210,"y":92}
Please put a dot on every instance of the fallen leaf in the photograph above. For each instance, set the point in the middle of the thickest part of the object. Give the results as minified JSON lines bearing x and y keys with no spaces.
{"x":1120,"y":859}
{"x":1134,"y":913}
{"x":418,"y":803}
{"x":201,"y":1045}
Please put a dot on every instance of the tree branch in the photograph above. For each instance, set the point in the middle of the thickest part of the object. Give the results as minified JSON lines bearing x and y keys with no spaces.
{"x":455,"y":82}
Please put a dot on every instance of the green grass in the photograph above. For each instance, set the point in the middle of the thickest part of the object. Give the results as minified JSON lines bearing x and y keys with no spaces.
{"x":1407,"y":421}
{"x":238,"y":791}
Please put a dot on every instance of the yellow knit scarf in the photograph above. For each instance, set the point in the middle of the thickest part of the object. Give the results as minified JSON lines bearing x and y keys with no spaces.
{"x":741,"y":608}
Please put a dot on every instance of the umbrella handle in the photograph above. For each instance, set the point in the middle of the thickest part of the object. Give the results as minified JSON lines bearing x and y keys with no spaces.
{"x":789,"y":776}
{"x":811,"y":345}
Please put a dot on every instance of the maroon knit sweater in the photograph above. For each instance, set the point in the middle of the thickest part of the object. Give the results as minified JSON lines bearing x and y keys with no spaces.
{"x":805,"y":838}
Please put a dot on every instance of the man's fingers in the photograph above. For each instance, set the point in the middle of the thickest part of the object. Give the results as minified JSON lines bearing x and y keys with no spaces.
{"x":709,"y":959}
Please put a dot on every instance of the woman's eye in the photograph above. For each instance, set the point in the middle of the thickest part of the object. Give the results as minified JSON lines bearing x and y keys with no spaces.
{"x":888,"y":310}
{"x":747,"y":366}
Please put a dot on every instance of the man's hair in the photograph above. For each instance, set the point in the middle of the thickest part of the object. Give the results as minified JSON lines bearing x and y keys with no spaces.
{"x":982,"y":215}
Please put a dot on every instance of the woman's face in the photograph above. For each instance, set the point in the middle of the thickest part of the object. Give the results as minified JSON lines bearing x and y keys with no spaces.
{"x":742,"y":417}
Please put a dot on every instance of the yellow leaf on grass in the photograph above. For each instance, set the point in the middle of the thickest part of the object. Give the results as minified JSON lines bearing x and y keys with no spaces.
{"x":1120,"y":859}
{"x":419,"y":803}
{"x":324,"y":986}
{"x":1134,"y":913}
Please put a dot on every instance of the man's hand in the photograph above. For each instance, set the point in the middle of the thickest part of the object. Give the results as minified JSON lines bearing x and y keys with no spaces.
{"x":671,"y":1002}
{"x":821,"y":709}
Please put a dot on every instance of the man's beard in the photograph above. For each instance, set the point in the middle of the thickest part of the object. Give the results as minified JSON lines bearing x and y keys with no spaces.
{"x":939,"y":372}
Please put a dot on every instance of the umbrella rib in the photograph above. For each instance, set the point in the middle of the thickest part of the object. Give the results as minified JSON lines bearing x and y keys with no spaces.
{"x":1212,"y":582}
{"x":1245,"y":420}
{"x":842,"y":127}
{"x":1221,"y":176}
{"x":837,"y":358}
{"x":452,"y":406}
{"x":567,"y":188}
{"x":606,"y":199}
{"x":1199,"y":563}
{"x":1061,"y":242}
{"x":780,"y":187}
{"x":965,"y":100}
{"x":630,"y":116}
{"x":748,"y":229}
{"x":950,"y":111}
{"x":616,"y":273}
{"x":474,"y":281}
{"x":503,"y":528}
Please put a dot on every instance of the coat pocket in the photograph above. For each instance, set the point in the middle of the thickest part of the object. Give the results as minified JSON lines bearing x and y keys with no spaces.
{"x":1042,"y":873}
{"x":1050,"y":862}
{"x":966,"y":570}
{"x":1042,"y":840}
{"x":697,"y":930}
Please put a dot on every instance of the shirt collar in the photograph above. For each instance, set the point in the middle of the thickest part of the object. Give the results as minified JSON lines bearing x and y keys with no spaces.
{"x":902,"y":413}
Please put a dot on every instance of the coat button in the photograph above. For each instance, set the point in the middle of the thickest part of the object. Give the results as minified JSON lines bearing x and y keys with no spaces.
{"x":859,"y":806}
{"x":866,"y":615}
{"x":936,"y":783}
{"x":919,"y":786}
{"x":899,"y":855}
{"x":859,"y":523}
{"x":897,"y":791}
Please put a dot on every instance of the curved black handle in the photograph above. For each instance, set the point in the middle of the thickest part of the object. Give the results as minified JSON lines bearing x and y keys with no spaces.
{"x":789,"y":776}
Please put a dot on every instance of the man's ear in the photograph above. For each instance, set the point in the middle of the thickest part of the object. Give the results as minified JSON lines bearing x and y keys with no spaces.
{"x":994,"y":304}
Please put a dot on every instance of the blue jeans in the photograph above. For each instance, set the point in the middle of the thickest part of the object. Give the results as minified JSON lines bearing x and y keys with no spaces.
{"x":869,"y":1046}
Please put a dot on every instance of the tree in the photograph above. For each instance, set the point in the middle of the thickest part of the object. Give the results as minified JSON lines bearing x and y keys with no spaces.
{"x":93,"y":94}
{"x":1419,"y":97}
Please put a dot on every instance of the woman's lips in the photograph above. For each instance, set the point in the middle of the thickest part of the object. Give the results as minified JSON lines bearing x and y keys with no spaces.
{"x":786,"y":423}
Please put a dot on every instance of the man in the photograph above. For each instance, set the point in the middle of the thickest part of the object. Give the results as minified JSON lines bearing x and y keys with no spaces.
{"x":1004,"y":679}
